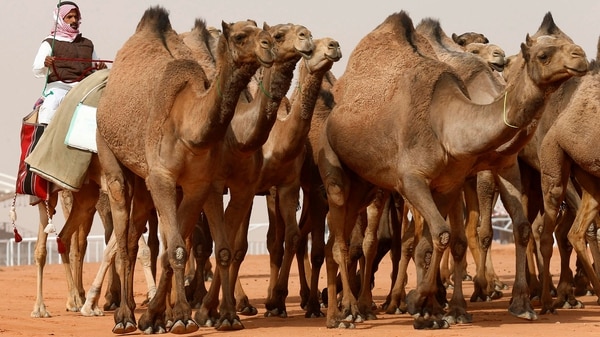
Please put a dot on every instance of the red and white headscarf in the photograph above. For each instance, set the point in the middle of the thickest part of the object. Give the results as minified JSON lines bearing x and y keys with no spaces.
{"x":62,"y":29}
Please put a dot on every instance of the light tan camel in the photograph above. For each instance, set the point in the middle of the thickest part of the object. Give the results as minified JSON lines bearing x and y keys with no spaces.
{"x":72,"y":239}
{"x":200,"y":40}
{"x":568,"y":148}
{"x":283,"y":155}
{"x":425,"y":117}
{"x":467,"y":38}
{"x":486,"y":186}
{"x":179,"y":144}
{"x":240,"y":166}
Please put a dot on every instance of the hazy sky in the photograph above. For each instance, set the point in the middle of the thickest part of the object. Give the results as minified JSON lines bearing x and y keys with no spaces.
{"x":110,"y":22}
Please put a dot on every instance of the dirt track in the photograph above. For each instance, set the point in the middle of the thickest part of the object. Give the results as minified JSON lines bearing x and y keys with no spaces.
{"x":489,"y":319}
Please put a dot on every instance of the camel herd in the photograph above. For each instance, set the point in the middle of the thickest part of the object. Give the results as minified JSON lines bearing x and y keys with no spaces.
{"x":405,"y":154}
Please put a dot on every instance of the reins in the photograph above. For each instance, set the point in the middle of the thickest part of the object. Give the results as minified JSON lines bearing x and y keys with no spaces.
{"x":85,"y":71}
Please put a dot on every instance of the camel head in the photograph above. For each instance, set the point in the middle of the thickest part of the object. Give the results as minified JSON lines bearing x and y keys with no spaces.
{"x":291,"y":41}
{"x":551,"y":60}
{"x":247,"y":43}
{"x":491,"y":53}
{"x":467,"y":38}
{"x":327,"y":51}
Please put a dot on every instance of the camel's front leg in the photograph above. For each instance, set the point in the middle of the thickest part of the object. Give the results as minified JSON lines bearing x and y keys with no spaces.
{"x":457,"y":312}
{"x":509,"y":182}
{"x":39,"y":307}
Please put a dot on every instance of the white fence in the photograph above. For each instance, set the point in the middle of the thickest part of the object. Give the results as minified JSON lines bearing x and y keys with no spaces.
{"x":23,"y":253}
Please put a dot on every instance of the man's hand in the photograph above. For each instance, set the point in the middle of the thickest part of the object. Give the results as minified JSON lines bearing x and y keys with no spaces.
{"x":49,"y":61}
{"x":101,"y":65}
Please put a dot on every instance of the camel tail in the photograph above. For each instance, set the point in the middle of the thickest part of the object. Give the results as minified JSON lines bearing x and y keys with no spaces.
{"x":155,"y":18}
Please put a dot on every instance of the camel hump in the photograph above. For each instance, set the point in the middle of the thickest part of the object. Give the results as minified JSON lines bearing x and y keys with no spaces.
{"x":549,"y":27}
{"x":156,"y":19}
{"x":433,"y":28}
{"x":403,"y":26}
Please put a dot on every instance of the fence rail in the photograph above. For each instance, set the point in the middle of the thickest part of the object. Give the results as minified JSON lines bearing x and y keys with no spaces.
{"x":23,"y":253}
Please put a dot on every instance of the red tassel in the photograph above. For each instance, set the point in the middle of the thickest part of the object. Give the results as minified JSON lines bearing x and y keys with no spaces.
{"x":61,"y":245}
{"x":18,"y":237}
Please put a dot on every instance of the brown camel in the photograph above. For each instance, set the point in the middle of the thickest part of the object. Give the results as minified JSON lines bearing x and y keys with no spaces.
{"x":569,"y":149}
{"x":239,"y":167}
{"x":184,"y":118}
{"x":283,"y":155}
{"x":429,"y":150}
{"x":524,"y":202}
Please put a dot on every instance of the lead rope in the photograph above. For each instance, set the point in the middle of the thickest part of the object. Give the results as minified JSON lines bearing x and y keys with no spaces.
{"x":51,"y":51}
{"x":13,"y":212}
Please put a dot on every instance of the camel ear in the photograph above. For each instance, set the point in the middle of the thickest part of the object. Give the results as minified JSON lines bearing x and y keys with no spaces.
{"x":225,"y":27}
{"x":525,"y":50}
{"x":529,"y":40}
{"x":253,"y":22}
{"x":266,"y":26}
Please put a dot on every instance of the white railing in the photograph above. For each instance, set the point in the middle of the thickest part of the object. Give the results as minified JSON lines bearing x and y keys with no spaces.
{"x":23,"y":253}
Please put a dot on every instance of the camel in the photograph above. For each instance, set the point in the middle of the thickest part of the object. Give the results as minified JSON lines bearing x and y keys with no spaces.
{"x":430,"y":163}
{"x":185,"y":118}
{"x":240,"y":167}
{"x":283,"y":155}
{"x":468,"y":38}
{"x":493,"y":54}
{"x":568,"y":149}
{"x":528,"y":166}
{"x":72,"y":238}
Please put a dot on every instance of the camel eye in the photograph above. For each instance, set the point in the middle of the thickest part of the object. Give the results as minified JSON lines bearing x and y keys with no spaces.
{"x":239,"y":38}
{"x":279,"y":36}
{"x":474,"y":51}
{"x":543,"y":57}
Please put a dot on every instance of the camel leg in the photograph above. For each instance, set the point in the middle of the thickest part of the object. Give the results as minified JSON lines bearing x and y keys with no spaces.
{"x":74,"y":235}
{"x":424,"y":302}
{"x":375,"y":212}
{"x":457,"y":312}
{"x":509,"y":183}
{"x":313,"y":222}
{"x":275,"y":240}
{"x":224,"y":238}
{"x":286,"y":201}
{"x":395,"y":302}
{"x":202,"y":249}
{"x":39,"y":307}
{"x":587,"y":212}
{"x":90,"y":307}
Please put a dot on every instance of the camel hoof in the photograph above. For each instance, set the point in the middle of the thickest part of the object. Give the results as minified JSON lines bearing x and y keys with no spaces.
{"x":345,"y":325}
{"x":528,"y":315}
{"x":276,"y":313}
{"x":230,"y":326}
{"x":40,"y":314}
{"x":180,"y":328}
{"x":421,"y":323}
{"x":248,"y":311}
{"x":119,"y":329}
{"x":576,"y":305}
{"x":314,"y":314}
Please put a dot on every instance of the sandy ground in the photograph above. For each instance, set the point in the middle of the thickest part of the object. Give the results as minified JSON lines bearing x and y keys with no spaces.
{"x":489,"y":319}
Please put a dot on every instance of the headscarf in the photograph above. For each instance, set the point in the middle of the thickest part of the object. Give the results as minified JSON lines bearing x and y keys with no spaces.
{"x":59,"y":27}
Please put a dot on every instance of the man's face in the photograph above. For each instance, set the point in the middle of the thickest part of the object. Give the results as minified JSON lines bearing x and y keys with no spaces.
{"x":72,"y":19}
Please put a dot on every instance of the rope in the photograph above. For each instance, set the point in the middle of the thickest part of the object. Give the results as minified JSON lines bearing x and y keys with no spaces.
{"x":504,"y":114}
{"x":51,"y":52}
{"x":262,"y":88}
{"x":83,"y":74}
